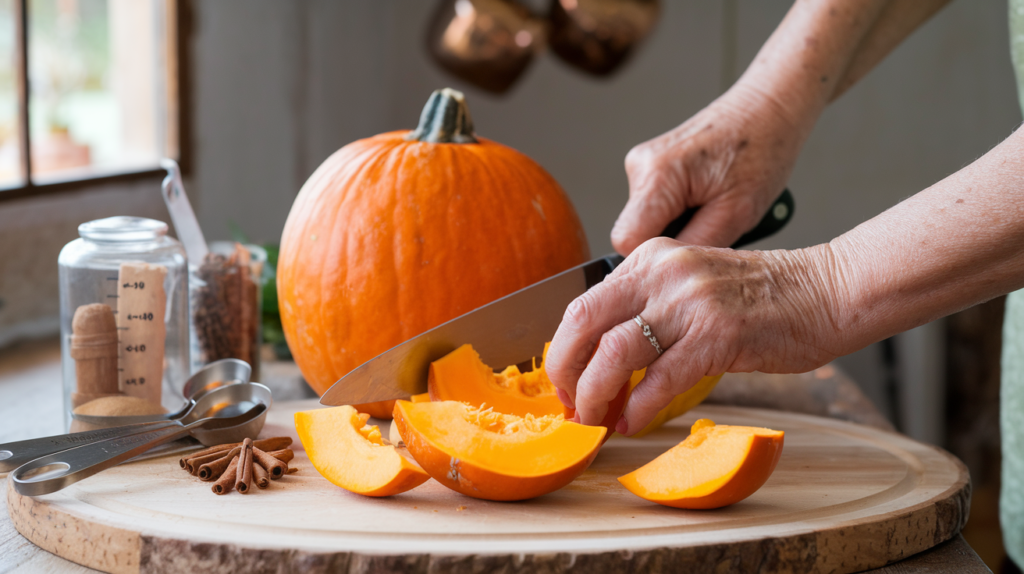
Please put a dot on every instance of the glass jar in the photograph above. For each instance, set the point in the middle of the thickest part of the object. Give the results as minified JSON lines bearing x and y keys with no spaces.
{"x":124,"y":319}
{"x":226,"y":303}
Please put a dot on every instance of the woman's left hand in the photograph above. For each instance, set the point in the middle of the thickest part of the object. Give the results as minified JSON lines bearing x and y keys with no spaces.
{"x":712,"y":311}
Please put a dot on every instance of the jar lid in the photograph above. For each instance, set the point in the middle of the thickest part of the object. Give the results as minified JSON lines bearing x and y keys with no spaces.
{"x":123,"y":229}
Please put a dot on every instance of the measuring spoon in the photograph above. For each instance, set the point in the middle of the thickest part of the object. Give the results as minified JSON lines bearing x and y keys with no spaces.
{"x":214,"y":375}
{"x":14,"y":454}
{"x":220,"y":416}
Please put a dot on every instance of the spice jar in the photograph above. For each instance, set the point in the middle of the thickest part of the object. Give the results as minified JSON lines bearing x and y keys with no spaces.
{"x":225,"y":297}
{"x":124,"y":319}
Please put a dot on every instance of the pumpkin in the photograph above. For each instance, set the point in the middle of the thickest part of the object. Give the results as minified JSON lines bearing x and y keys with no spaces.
{"x":493,"y":456}
{"x":462,"y":376}
{"x":400,"y":232}
{"x":353,"y":455}
{"x":717,"y":465}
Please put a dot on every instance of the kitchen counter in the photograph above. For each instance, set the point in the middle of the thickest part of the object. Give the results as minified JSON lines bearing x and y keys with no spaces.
{"x":30,"y":406}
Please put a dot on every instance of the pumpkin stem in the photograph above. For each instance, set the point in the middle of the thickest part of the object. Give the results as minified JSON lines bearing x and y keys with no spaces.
{"x":445,"y":119}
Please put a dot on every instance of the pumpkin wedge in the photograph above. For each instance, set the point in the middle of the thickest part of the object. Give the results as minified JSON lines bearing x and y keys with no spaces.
{"x":682,"y":403}
{"x":353,"y":455}
{"x":494,"y":456}
{"x":462,"y":376}
{"x":717,"y":465}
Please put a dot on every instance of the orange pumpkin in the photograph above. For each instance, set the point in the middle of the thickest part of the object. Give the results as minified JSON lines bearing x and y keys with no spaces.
{"x":398,"y":233}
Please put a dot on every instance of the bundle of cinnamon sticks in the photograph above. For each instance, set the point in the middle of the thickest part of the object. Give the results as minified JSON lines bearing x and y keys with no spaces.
{"x":240,"y":465}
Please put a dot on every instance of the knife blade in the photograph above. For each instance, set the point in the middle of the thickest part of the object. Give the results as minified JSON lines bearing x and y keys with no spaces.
{"x":507,"y":331}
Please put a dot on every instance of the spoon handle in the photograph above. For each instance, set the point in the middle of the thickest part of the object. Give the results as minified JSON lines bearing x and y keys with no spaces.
{"x":14,"y":454}
{"x":56,"y":471}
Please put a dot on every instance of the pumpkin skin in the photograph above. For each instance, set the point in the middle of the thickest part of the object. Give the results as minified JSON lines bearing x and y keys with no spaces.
{"x":392,"y":236}
{"x":714,"y":467}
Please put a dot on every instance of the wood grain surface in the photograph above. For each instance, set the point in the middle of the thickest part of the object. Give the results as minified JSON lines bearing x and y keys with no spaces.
{"x":844,"y":498}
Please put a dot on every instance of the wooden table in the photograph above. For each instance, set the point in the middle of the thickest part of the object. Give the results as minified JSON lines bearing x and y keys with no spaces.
{"x":30,"y":405}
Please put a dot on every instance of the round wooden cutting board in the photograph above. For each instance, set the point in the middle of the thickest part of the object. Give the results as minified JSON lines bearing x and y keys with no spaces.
{"x":844,"y":498}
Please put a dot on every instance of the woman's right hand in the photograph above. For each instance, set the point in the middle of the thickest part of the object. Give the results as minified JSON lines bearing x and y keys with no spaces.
{"x":732,"y":160}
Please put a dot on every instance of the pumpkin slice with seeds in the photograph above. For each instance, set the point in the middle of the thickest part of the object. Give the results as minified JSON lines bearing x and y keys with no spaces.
{"x":485,"y":454}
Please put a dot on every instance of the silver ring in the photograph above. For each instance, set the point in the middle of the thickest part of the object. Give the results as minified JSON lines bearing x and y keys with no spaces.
{"x":647,"y":332}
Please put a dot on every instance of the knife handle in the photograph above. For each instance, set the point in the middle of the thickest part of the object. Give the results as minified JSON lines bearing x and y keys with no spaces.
{"x":778,"y":215}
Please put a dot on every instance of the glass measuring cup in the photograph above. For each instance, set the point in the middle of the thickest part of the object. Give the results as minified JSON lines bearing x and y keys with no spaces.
{"x":124,"y":318}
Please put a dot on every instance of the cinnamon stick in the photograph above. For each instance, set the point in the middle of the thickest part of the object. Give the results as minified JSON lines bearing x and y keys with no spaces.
{"x":227,"y":480}
{"x":260,"y":475}
{"x":184,"y":462}
{"x":243,"y":480}
{"x":274,"y":466}
{"x":273,"y":443}
{"x":284,"y":455}
{"x":213,"y":469}
{"x":193,"y":465}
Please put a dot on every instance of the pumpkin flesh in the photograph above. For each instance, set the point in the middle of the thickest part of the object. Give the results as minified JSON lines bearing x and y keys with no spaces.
{"x":494,"y":456}
{"x":353,"y":455}
{"x":717,"y":465}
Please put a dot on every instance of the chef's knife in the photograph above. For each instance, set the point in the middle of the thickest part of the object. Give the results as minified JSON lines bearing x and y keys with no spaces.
{"x":508,"y":331}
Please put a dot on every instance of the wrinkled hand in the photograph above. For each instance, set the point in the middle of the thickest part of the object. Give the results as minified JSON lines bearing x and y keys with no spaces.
{"x":733,"y":159}
{"x":712,"y":311}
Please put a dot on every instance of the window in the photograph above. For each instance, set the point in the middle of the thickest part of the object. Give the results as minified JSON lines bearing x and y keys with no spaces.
{"x":89,"y":88}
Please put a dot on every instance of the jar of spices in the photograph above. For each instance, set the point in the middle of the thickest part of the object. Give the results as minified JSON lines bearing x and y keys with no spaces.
{"x":225,"y":297}
{"x":124,"y":319}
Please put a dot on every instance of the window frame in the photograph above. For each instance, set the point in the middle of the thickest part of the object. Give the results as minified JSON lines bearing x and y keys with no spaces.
{"x":177,"y":25}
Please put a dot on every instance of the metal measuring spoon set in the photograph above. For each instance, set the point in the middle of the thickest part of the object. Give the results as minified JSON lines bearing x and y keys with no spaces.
{"x":222,"y":406}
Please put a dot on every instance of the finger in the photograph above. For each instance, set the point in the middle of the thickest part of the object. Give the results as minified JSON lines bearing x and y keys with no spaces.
{"x":565,"y":399}
{"x":715,"y":224}
{"x":604,"y":306}
{"x":669,"y":375}
{"x":622,"y":350}
{"x":643,"y":217}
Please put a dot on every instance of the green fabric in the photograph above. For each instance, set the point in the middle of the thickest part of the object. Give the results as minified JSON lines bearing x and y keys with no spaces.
{"x":1011,"y":392}
{"x":1011,"y":422}
{"x":1017,"y":45}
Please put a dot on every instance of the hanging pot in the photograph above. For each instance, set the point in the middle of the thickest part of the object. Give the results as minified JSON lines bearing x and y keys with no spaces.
{"x":488,"y":43}
{"x":597,"y":36}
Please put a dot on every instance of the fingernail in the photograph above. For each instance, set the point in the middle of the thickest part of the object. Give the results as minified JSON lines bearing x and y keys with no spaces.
{"x":622,"y":426}
{"x":564,"y":397}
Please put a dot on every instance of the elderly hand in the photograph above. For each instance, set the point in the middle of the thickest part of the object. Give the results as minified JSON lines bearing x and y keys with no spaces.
{"x":732,"y":159}
{"x":712,"y":310}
